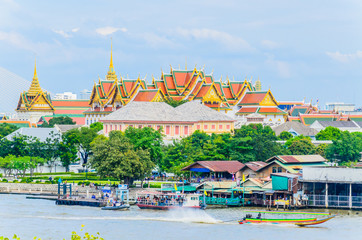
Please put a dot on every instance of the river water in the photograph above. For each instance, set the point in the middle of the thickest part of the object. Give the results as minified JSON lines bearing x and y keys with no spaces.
{"x":42,"y":218}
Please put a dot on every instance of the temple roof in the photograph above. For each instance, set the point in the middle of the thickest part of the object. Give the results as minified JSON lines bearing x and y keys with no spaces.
{"x":35,"y":86}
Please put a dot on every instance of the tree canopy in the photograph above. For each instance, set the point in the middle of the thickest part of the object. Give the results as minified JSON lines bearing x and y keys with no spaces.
{"x":58,"y":120}
{"x":117,"y":157}
{"x":329,"y":133}
{"x":6,"y":129}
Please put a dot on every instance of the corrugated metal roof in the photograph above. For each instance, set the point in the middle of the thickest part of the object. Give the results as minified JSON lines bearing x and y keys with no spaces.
{"x":297,"y":158}
{"x":332,"y":174}
{"x":218,"y":166}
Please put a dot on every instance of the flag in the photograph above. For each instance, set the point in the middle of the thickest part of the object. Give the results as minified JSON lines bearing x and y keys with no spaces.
{"x":243,"y":178}
{"x":205,"y":192}
{"x":175,"y":187}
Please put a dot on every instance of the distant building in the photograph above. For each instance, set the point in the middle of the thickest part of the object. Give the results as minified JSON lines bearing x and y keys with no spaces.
{"x":341,"y":107}
{"x":41,"y":133}
{"x":65,"y":96}
{"x":296,"y":129}
{"x":216,"y":169}
{"x":289,"y":164}
{"x":85,"y":94}
{"x":264,"y":105}
{"x":350,"y":126}
{"x":176,"y":122}
{"x":333,"y":187}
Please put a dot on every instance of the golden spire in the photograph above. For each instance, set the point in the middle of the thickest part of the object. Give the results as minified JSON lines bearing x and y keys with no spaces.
{"x":34,"y":87}
{"x":111,"y":75}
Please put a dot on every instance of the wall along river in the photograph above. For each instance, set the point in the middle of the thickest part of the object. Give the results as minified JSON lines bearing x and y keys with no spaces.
{"x":42,"y":218}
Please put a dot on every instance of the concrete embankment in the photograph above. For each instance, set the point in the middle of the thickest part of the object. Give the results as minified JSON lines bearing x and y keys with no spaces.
{"x":52,"y":189}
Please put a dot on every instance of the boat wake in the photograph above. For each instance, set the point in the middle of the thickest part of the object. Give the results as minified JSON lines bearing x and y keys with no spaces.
{"x":184,"y":216}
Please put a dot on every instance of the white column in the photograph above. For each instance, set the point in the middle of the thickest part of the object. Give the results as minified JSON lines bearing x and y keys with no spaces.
{"x":326,"y":195}
{"x":350,"y":195}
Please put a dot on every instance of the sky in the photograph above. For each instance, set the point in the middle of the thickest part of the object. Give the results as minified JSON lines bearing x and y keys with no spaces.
{"x":308,"y":50}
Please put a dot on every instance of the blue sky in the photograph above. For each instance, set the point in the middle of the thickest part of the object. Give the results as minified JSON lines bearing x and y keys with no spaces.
{"x":300,"y":49}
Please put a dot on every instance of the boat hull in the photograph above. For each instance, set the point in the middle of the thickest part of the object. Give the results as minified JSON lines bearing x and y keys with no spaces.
{"x":123,"y":207}
{"x":302,"y":224}
{"x":290,"y":221}
{"x":157,"y":207}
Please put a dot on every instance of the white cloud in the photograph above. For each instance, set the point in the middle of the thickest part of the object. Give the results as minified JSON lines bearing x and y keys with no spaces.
{"x":63,"y":33}
{"x":109,"y":30}
{"x":227,"y":40}
{"x":281,"y":67}
{"x":75,"y":30}
{"x":155,"y":40}
{"x":269,"y":44}
{"x":344,"y":57}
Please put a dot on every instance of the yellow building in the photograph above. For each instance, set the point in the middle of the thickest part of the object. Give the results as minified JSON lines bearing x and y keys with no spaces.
{"x":34,"y":103}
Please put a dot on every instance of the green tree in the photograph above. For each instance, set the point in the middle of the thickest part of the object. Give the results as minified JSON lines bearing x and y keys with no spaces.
{"x":117,"y":157}
{"x":296,"y":138}
{"x":346,"y":148}
{"x":58,"y":120}
{"x":67,"y":149}
{"x":321,"y":149}
{"x":302,"y":147}
{"x":82,"y":138}
{"x":23,"y":163}
{"x":6,"y":129}
{"x":285,"y":136}
{"x":329,"y":133}
{"x":263,"y":141}
{"x":97,"y":126}
{"x":146,"y":139}
{"x":175,"y":103}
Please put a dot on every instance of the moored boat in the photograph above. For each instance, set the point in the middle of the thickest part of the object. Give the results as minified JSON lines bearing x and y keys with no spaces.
{"x":166,"y":201}
{"x":117,"y":207}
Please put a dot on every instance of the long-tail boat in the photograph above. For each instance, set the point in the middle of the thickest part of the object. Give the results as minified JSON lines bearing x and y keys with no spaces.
{"x":297,"y":221}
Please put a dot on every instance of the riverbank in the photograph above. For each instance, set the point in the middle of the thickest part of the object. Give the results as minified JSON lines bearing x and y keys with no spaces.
{"x":29,"y":218}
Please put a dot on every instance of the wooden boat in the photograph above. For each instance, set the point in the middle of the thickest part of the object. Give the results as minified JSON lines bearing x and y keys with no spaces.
{"x":265,"y":220}
{"x":119,"y":207}
{"x":302,"y":224}
{"x":166,"y":201}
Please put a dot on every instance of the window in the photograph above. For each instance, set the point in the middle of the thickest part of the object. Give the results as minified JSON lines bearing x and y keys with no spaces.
{"x":227,"y":127}
{"x":120,"y":127}
{"x":280,"y":169}
{"x":274,"y":169}
{"x":168,"y":130}
{"x":139,"y":126}
{"x":177,"y":130}
{"x":150,"y":126}
{"x":198,"y":127}
{"x":158,"y":127}
{"x":213,"y":127}
{"x":130,"y":125}
{"x":106,"y":128}
{"x":205,"y":127}
{"x":186,"y":130}
{"x":220,"y":127}
{"x":110,"y":127}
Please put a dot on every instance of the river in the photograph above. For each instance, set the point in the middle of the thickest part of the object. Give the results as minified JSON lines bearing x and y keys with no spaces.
{"x":42,"y":218}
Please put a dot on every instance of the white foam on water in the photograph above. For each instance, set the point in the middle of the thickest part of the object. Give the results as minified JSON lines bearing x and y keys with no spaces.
{"x":182,"y":215}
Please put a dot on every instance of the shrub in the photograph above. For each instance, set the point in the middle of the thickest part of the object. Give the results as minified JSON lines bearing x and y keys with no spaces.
{"x":48,"y":182}
{"x":37,"y":181}
{"x":4,"y":180}
{"x":15,"y":181}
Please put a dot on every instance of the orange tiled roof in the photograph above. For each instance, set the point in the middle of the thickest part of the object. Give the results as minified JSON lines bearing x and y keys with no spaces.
{"x":145,"y":96}
{"x":270,"y":110}
{"x":248,"y":110}
{"x":204,"y":89}
{"x":253,"y":97}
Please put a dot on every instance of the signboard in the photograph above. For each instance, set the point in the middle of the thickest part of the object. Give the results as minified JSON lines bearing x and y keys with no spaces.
{"x":123,"y":186}
{"x":106,"y":190}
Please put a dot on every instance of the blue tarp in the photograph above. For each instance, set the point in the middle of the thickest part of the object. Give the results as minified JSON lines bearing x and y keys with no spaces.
{"x":199,"y":170}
